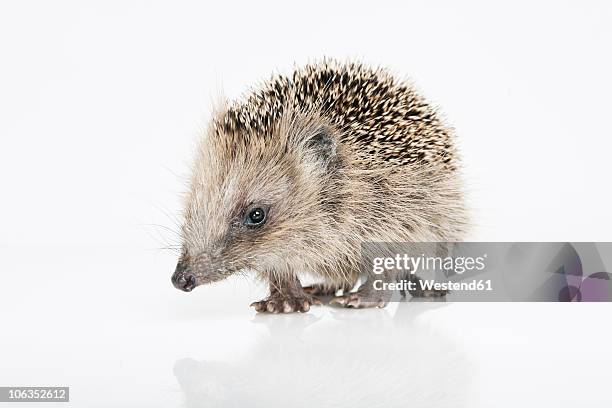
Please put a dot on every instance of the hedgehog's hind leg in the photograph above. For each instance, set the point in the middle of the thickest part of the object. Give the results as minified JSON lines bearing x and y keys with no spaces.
{"x":358,"y":300}
{"x":286,"y":296}
{"x":419,"y":292}
{"x":324,"y":289}
{"x":368,"y":295}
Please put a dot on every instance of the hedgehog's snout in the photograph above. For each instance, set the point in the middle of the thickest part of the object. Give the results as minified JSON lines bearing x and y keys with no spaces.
{"x":183,"y":278}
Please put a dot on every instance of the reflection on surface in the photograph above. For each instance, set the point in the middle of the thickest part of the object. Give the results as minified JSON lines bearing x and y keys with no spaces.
{"x":349,"y":358}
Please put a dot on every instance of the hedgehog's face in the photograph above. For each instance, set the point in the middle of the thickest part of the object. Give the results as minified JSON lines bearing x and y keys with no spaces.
{"x":255,"y":203}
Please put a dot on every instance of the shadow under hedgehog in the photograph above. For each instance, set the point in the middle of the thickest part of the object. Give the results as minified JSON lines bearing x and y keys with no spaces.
{"x":297,"y":175}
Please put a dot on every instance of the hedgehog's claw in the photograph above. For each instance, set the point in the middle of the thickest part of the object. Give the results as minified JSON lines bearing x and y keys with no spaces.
{"x":280,"y":304}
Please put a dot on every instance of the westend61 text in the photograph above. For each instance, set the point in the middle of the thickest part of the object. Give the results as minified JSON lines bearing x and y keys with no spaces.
{"x":406,"y":285}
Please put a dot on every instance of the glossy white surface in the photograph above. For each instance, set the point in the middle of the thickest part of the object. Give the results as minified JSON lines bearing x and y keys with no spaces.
{"x":106,"y":324}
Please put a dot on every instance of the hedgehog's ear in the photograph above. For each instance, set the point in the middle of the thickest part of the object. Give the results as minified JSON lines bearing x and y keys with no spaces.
{"x":322,"y":144}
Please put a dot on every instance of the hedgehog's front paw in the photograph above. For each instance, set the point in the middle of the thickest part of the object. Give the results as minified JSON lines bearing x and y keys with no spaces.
{"x":286,"y":304}
{"x":359,"y":300}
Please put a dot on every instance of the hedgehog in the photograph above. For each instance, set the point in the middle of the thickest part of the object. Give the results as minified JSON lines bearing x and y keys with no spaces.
{"x":293,"y":178}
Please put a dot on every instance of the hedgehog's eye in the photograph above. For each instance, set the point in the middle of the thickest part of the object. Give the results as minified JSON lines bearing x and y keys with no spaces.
{"x":255,"y":217}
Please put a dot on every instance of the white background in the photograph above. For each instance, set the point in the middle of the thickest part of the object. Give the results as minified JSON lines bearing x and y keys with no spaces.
{"x":100,"y":107}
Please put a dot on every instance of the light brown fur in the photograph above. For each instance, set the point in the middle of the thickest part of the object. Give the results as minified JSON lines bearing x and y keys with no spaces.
{"x":335,"y":169}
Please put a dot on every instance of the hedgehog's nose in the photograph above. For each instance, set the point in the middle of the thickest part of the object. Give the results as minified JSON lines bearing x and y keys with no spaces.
{"x":183,"y":279}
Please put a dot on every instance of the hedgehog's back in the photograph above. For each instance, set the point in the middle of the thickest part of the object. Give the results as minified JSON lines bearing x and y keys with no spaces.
{"x":380,"y":117}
